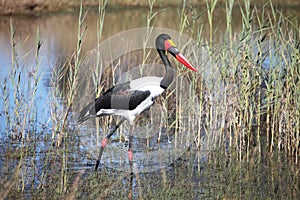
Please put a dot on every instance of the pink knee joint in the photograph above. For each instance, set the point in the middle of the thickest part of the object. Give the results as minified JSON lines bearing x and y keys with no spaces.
{"x":104,"y":142}
{"x":130,"y":155}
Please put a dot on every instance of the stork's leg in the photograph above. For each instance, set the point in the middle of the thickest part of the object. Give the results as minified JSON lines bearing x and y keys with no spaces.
{"x":130,"y":159}
{"x":130,"y":151}
{"x":133,"y":167}
{"x":105,"y":140}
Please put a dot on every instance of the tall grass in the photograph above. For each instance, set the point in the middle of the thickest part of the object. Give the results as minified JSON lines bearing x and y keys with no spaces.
{"x":19,"y":97}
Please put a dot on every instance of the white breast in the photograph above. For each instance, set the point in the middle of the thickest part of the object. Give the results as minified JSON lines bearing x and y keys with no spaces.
{"x":150,"y":83}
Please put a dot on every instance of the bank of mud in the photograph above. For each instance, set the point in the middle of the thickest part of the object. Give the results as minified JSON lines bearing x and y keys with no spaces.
{"x":36,"y":7}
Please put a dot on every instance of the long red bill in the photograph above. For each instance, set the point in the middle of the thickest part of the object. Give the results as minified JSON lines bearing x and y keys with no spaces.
{"x":184,"y":61}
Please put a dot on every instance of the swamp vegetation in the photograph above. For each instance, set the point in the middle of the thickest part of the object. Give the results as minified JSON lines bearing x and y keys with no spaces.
{"x":237,"y":120}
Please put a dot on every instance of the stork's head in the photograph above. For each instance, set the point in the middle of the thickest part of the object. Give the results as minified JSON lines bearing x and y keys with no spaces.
{"x":165,"y":44}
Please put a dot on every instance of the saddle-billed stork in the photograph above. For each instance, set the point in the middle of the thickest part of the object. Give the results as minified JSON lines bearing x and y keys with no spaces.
{"x":132,"y":98}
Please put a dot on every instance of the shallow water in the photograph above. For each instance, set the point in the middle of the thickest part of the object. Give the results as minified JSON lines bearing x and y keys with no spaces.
{"x":48,"y":170}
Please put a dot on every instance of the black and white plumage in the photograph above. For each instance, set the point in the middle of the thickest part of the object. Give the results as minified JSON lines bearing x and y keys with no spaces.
{"x":127,"y":100}
{"x":132,"y":98}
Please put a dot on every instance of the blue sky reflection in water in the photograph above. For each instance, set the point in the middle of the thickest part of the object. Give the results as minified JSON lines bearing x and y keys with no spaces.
{"x":25,"y":68}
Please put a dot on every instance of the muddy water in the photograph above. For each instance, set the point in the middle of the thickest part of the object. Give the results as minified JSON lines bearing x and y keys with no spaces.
{"x":68,"y":171}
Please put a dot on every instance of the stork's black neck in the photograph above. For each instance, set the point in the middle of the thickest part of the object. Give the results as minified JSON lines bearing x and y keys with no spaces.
{"x":168,"y":78}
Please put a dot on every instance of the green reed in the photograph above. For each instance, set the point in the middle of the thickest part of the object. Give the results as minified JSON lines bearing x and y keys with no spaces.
{"x":210,"y":11}
{"x":71,"y":69}
{"x":15,"y":78}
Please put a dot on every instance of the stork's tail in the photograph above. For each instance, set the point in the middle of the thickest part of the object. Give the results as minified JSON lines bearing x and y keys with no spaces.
{"x":87,"y":112}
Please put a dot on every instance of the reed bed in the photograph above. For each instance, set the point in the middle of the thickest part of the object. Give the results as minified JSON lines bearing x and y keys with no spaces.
{"x":251,"y":84}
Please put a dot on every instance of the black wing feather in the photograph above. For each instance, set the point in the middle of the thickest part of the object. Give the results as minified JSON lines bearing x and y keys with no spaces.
{"x":118,"y":97}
